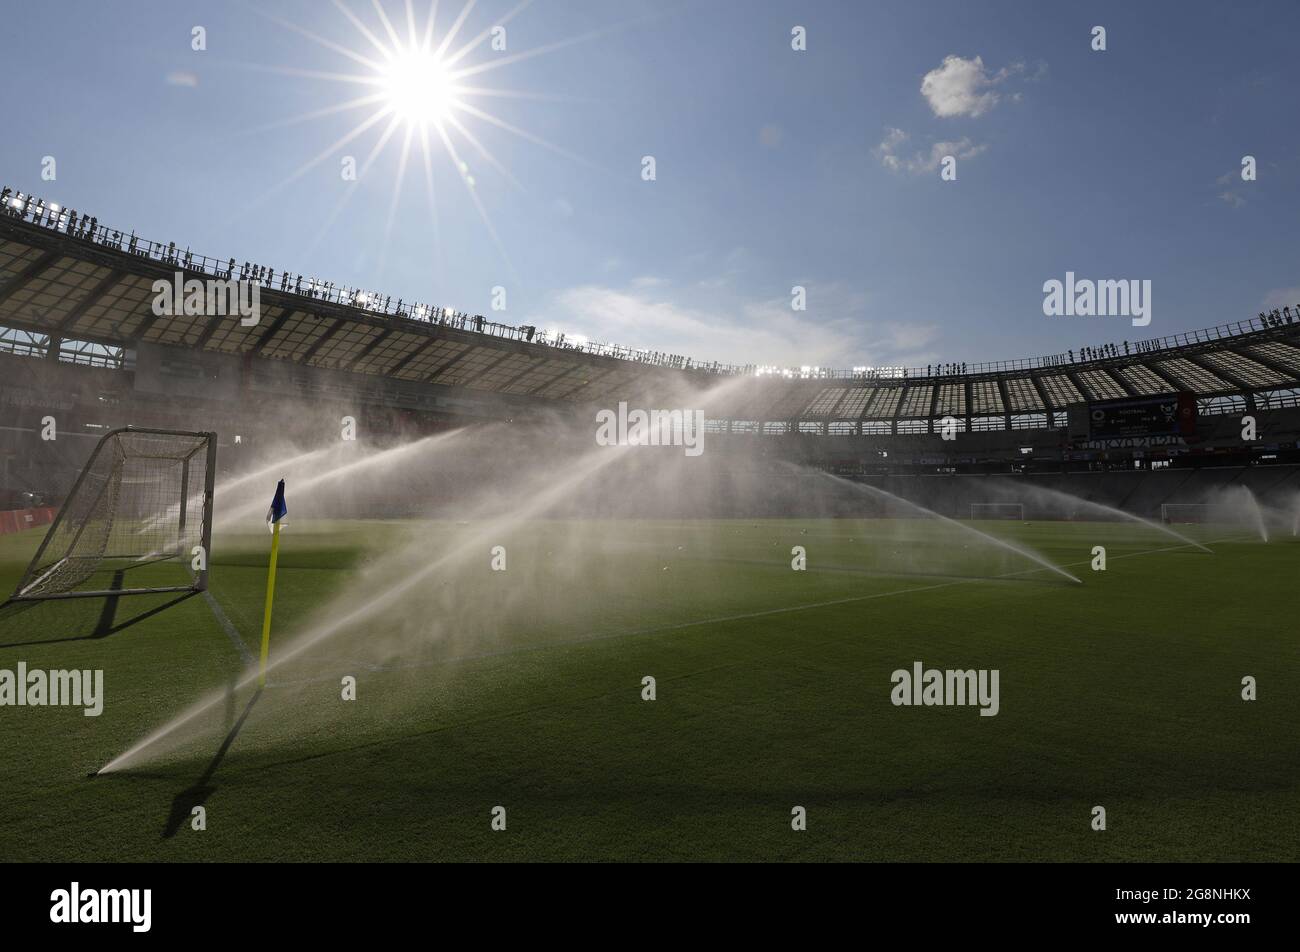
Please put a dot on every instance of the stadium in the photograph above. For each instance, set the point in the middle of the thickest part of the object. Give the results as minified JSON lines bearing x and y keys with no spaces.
{"x":542,"y":598}
{"x":686,"y":571}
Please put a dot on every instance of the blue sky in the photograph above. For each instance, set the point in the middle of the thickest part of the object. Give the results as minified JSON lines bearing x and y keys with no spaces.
{"x":775,"y":168}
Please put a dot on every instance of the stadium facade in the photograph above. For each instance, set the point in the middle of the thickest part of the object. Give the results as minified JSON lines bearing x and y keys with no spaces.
{"x":81,"y":339}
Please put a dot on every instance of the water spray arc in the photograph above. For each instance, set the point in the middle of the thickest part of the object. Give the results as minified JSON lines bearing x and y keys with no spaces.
{"x":971,"y":530}
{"x":245,"y":514}
{"x":403,"y":574}
{"x":1257,"y":512}
{"x":226,"y":486}
{"x":539,"y":503}
{"x":1111,"y":510}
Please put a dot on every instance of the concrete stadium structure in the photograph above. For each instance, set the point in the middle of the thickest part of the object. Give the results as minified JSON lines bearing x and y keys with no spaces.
{"x":80,"y":339}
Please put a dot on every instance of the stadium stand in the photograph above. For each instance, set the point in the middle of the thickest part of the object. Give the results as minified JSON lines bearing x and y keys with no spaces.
{"x":80,"y":336}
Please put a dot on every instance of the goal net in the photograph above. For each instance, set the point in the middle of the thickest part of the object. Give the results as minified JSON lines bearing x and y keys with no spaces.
{"x":997,"y":510}
{"x":1185,"y":512}
{"x":130,"y":525}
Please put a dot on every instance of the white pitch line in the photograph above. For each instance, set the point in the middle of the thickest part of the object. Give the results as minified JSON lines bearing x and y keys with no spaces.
{"x":236,"y":639}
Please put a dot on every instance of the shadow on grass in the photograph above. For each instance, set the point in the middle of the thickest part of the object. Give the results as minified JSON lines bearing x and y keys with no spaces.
{"x":198,"y":792}
{"x":81,"y":619}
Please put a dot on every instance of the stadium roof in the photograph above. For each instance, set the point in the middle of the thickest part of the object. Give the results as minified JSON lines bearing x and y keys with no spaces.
{"x":79,"y":286}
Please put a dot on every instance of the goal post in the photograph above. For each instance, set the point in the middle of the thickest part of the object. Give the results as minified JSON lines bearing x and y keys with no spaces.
{"x":1184,"y":512}
{"x":133,"y":520}
{"x":998,"y":510}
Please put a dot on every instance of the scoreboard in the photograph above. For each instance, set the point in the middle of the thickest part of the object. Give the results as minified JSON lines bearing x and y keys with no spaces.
{"x":1171,"y":414}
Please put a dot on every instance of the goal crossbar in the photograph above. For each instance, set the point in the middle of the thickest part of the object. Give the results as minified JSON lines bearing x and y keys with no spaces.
{"x":1180,"y":511}
{"x":997,"y":510}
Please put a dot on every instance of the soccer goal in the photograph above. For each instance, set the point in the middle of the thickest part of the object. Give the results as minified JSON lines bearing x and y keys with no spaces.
{"x":133,"y":520}
{"x":997,"y":510}
{"x":1184,"y":512}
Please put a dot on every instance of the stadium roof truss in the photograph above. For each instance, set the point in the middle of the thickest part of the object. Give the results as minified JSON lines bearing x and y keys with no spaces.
{"x":69,"y":298}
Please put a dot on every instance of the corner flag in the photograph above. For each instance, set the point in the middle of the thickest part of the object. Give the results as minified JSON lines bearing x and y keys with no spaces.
{"x":278,"y":506}
{"x":273,"y":517}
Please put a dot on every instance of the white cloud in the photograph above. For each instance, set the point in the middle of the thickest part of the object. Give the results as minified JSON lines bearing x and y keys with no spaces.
{"x":906,"y":338}
{"x":887,"y":151}
{"x":745,"y":332}
{"x":1230,"y":196}
{"x":963,"y":87}
{"x":1281,"y":297}
{"x":893,"y":157}
{"x":723,"y":272}
{"x":180,"y":78}
{"x":768,"y":332}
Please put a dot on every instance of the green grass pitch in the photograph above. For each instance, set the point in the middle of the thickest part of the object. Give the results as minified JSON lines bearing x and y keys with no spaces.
{"x":523,"y":689}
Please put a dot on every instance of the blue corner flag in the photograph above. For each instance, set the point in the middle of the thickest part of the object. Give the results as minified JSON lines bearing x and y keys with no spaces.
{"x":278,"y":506}
{"x":273,"y":517}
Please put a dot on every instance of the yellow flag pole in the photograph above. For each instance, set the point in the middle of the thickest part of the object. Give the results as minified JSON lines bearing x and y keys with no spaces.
{"x":270,"y":595}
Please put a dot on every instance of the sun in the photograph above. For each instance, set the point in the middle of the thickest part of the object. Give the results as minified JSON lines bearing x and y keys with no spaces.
{"x":419,"y":90}
{"x":418,"y":87}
